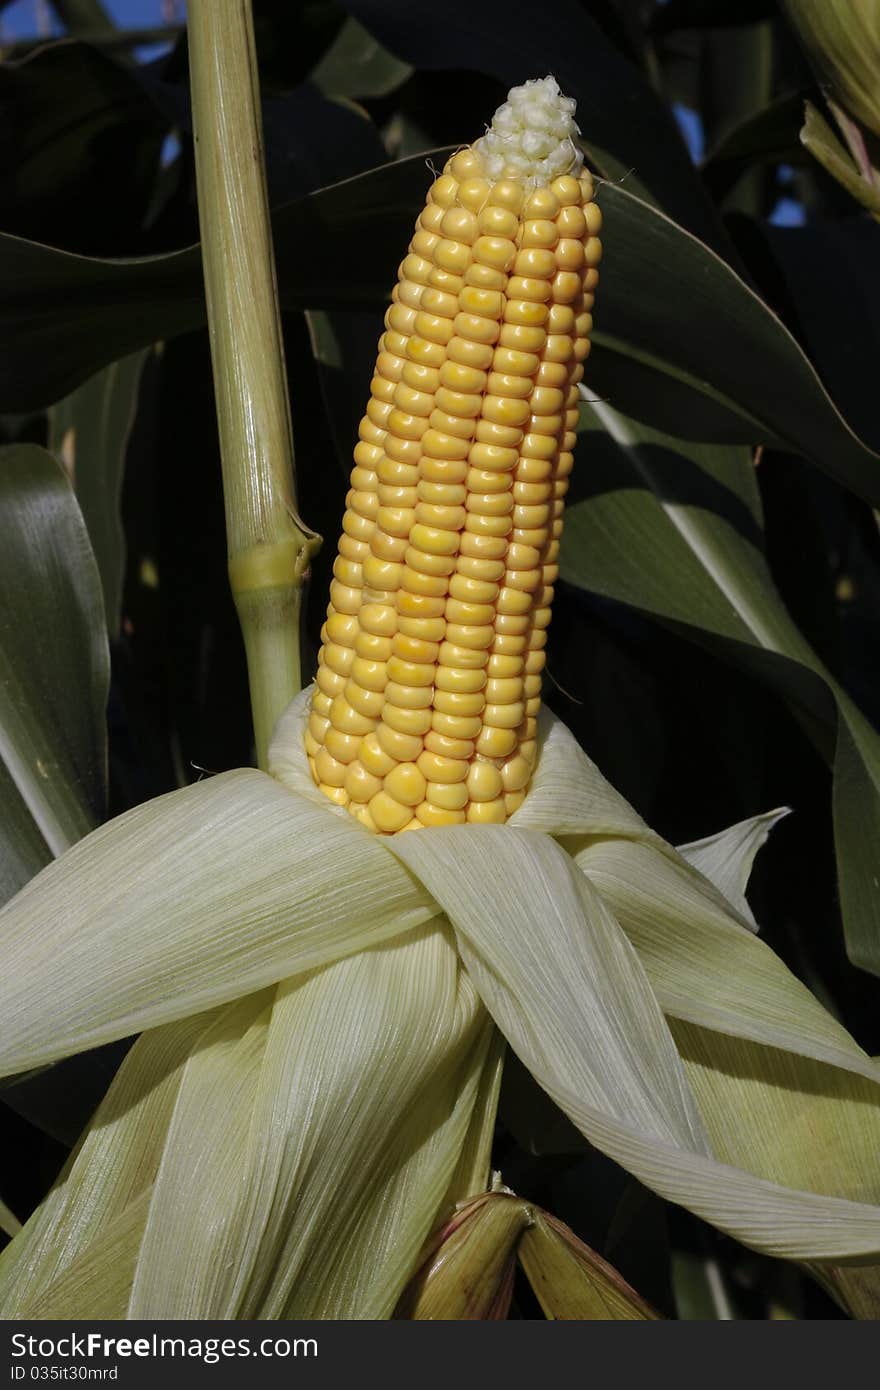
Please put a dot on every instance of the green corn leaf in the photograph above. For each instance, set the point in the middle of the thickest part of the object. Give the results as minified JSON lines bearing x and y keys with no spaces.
{"x":89,"y":432}
{"x":674,"y":529}
{"x":54,"y":668}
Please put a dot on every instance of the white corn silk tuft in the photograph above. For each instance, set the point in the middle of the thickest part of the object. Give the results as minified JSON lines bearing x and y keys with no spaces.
{"x":531,"y":137}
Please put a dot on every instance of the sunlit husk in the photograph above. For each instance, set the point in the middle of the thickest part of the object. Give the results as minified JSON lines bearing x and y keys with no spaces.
{"x":550,"y":964}
{"x":342,"y":1104}
{"x":726,"y":859}
{"x":351,"y":1114}
{"x":703,"y":966}
{"x":189,"y":901}
{"x":352,"y":1104}
{"x":58,"y":1266}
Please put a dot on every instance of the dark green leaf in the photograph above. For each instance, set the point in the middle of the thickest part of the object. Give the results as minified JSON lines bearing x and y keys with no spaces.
{"x":668,"y":302}
{"x":89,"y":431}
{"x":53,"y":657}
{"x":356,"y":65}
{"x":626,"y":128}
{"x":702,"y":14}
{"x":83,"y":138}
{"x":696,"y":326}
{"x":825,"y":278}
{"x":770,"y":135}
{"x":675,"y":530}
{"x":63,"y":317}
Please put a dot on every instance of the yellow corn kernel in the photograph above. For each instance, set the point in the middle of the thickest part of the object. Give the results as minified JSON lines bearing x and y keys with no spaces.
{"x":360,"y":784}
{"x":406,"y":784}
{"x":436,"y":768}
{"x":447,"y":796}
{"x":434,"y":815}
{"x":484,"y":781}
{"x":429,"y":676}
{"x":388,"y":814}
{"x":487,"y":812}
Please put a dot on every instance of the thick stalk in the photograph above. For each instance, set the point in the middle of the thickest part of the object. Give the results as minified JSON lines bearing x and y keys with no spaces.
{"x":269,"y":548}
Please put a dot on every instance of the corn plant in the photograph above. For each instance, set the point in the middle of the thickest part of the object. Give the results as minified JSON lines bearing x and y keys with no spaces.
{"x":420,"y":1016}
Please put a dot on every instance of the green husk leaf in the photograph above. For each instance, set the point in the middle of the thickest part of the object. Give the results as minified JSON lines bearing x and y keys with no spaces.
{"x":571,"y":1281}
{"x":793,"y":1120}
{"x":818,"y":137}
{"x":468,"y":1272}
{"x":790,"y":1119}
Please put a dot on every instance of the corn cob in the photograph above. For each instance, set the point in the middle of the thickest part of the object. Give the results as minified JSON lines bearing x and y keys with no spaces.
{"x":429,"y":677}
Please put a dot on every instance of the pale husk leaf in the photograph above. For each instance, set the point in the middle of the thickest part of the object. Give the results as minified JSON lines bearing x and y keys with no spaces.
{"x":473,"y":1170}
{"x":576,"y":1006}
{"x":348,"y":1127}
{"x":704,"y":966}
{"x":726,"y":859}
{"x":791,"y":1119}
{"x":9,"y":1222}
{"x":100,"y":1195}
{"x":522,"y":910}
{"x":188,"y":901}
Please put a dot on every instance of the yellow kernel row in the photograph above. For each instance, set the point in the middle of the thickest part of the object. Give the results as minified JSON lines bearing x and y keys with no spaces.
{"x":429,"y":676}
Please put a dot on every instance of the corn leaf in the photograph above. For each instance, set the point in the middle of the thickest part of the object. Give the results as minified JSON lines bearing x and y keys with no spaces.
{"x":627,"y":130}
{"x":347,"y":1119}
{"x":675,"y":530}
{"x":188,"y":901}
{"x":54,"y":668}
{"x":702,"y":326}
{"x":654,"y":335}
{"x":726,"y":858}
{"x":355,"y":65}
{"x":558,"y":976}
{"x":89,"y":432}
